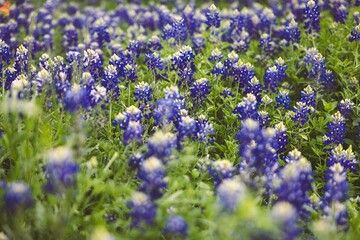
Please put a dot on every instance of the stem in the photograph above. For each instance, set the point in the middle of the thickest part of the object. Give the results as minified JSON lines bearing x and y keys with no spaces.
{"x":129,"y":88}
{"x":116,"y":154}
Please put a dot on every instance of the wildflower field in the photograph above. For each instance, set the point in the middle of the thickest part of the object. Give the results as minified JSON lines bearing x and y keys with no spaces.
{"x":179,"y":119}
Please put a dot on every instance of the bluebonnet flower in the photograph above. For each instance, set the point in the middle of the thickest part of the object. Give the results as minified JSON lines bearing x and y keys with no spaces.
{"x":183,"y":62}
{"x":355,"y":34}
{"x":293,"y":156}
{"x":227,"y":93}
{"x":5,"y":52}
{"x":70,"y":37}
{"x":212,"y":17}
{"x":293,"y":184}
{"x":143,"y":210}
{"x":219,"y":69}
{"x":345,"y":157}
{"x":232,"y":59}
{"x":267,"y":44}
{"x":264,"y":118}
{"x":337,"y":129}
{"x":161,"y":144}
{"x":152,"y":173}
{"x":312,"y":16}
{"x":337,"y":187}
{"x":247,"y":108}
{"x":283,"y":99}
{"x":254,"y":87}
{"x":22,"y":60}
{"x":100,"y":32}
{"x":130,"y":73}
{"x":336,"y":212}
{"x":271,"y":78}
{"x":97,"y":94}
{"x":231,"y":192}
{"x":18,"y":196}
{"x":133,"y":132}
{"x":204,"y":129}
{"x":256,"y":148}
{"x":111,"y":81}
{"x":132,"y":113}
{"x":308,"y":96}
{"x":186,"y":127}
{"x":285,"y":214}
{"x":136,"y":160}
{"x":143,"y":92}
{"x":73,"y":98}
{"x":154,"y":62}
{"x":340,"y":12}
{"x":198,"y":42}
{"x":301,"y":113}
{"x":154,"y":43}
{"x":221,"y":170}
{"x":43,"y":77}
{"x":60,"y":170}
{"x":242,"y":44}
{"x":292,"y":33}
{"x":215,"y":55}
{"x":134,"y":48}
{"x":20,"y":83}
{"x":176,"y":226}
{"x":179,"y":29}
{"x":92,"y":62}
{"x":200,"y":89}
{"x":281,"y":67}
{"x":281,"y":136}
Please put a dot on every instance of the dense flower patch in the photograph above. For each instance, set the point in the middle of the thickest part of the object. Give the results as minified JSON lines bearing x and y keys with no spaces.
{"x":179,"y":121}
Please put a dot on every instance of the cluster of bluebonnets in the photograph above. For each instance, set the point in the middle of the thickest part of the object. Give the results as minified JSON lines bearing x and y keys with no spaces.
{"x":154,"y":73}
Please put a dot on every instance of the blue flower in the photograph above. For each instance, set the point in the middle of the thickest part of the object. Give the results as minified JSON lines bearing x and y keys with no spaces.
{"x":220,"y":170}
{"x":355,"y":34}
{"x":5,"y":52}
{"x":161,"y":144}
{"x":248,"y":108}
{"x":271,"y":78}
{"x":301,"y":112}
{"x":308,"y":96}
{"x":293,"y":184}
{"x":203,"y":129}
{"x":143,"y":210}
{"x":312,"y":16}
{"x":267,"y":44}
{"x":219,"y":69}
{"x":154,"y":62}
{"x":100,"y":32}
{"x":60,"y":170}
{"x":340,"y":12}
{"x":143,"y":93}
{"x":292,"y":33}
{"x":152,"y":173}
{"x":70,"y":40}
{"x":133,"y":132}
{"x":212,"y":17}
{"x":345,"y":157}
{"x":18,"y":196}
{"x":283,"y":99}
{"x":346,"y":108}
{"x":199,"y":91}
{"x":281,"y":136}
{"x":176,"y":226}
{"x":215,"y":55}
{"x":337,"y":129}
{"x":231,"y":192}
{"x":227,"y":93}
{"x":154,"y":43}
{"x":285,"y":214}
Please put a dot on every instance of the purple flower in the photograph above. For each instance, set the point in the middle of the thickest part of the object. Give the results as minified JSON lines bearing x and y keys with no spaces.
{"x":60,"y":170}
{"x":337,"y":129}
{"x":176,"y":226}
{"x":220,"y":170}
{"x":100,"y":32}
{"x":281,"y":136}
{"x":152,"y":173}
{"x":283,"y":99}
{"x":248,"y":108}
{"x":301,"y":113}
{"x":18,"y":196}
{"x":200,"y":90}
{"x":312,"y":16}
{"x":345,"y":157}
{"x":203,"y":130}
{"x":161,"y":144}
{"x":133,"y":132}
{"x":143,"y":210}
{"x":143,"y":93}
{"x":212,"y":17}
{"x":231,"y":192}
{"x":293,"y":184}
{"x":292,"y":33}
{"x":285,"y":214}
{"x":355,"y":34}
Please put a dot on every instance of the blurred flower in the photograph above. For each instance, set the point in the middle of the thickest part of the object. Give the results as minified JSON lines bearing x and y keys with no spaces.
{"x":18,"y":196}
{"x":176,"y":226}
{"x":231,"y":192}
